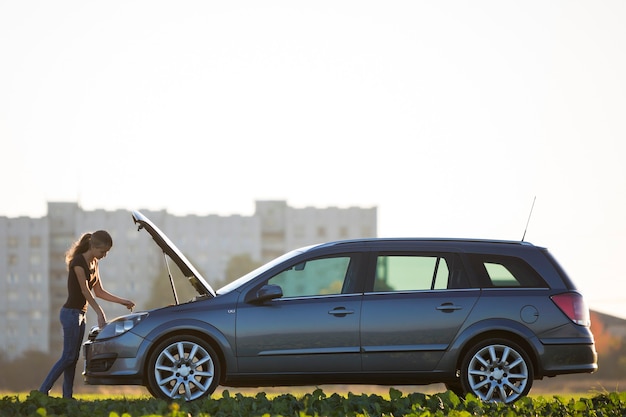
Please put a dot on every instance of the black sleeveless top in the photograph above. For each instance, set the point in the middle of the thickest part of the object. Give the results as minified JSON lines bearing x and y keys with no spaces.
{"x":75,"y":297}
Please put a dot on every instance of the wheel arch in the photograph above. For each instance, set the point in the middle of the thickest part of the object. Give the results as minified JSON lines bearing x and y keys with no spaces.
{"x":501,"y":334}
{"x":503,"y":329}
{"x":218,"y":342}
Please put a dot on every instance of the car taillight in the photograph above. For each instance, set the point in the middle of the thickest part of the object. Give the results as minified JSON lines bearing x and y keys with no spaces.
{"x":574,"y":307}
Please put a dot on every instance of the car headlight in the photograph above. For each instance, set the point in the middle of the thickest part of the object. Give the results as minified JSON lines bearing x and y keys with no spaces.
{"x":121,"y":325}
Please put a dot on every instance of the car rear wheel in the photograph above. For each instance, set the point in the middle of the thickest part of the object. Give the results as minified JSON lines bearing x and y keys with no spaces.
{"x":183,"y":367}
{"x":456,"y":388}
{"x":497,"y":370}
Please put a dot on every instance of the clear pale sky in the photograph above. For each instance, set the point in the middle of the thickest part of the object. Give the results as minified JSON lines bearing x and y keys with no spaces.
{"x":450,"y":117}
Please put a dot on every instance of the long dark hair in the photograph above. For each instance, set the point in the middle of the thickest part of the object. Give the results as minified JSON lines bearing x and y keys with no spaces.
{"x":98,"y":239}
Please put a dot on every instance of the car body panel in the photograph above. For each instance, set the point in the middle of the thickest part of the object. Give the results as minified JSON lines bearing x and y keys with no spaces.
{"x":425,"y":323}
{"x":357,"y":333}
{"x":310,"y":334}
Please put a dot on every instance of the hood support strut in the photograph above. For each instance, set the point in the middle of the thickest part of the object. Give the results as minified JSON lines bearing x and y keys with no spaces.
{"x":169,"y":274}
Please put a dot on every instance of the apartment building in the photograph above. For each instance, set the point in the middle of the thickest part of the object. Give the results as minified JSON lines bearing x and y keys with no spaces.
{"x":33,"y":274}
{"x":24,"y":296}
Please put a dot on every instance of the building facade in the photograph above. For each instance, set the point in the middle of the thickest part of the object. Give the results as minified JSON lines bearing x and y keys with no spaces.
{"x":33,"y":274}
{"x":24,"y":296}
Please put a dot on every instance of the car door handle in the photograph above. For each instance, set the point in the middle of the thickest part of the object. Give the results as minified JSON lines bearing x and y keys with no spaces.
{"x":340,"y":312}
{"x":448,"y":307}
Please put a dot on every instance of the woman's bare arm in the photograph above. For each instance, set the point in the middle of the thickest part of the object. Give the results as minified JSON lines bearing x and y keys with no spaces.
{"x":82,"y":281}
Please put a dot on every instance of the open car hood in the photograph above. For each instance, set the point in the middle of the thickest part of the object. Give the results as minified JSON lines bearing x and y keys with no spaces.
{"x":198,"y":282}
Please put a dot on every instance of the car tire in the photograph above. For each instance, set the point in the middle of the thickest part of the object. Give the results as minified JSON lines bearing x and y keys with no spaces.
{"x":497,"y":370}
{"x":183,"y":367}
{"x":456,"y":388}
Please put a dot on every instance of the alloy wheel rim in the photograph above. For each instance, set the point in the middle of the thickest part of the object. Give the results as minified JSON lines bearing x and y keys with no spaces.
{"x":184,"y":370}
{"x":498,"y":373}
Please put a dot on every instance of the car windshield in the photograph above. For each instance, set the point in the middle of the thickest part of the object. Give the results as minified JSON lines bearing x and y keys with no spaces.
{"x":250,"y":275}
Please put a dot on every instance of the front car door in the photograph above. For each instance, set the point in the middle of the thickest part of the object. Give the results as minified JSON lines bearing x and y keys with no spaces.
{"x":413,"y":309}
{"x":312,"y":328}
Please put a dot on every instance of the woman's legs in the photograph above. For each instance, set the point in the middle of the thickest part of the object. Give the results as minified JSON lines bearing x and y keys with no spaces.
{"x":70,"y":371}
{"x":73,"y":322}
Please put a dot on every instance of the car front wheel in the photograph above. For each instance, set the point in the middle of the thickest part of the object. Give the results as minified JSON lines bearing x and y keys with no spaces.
{"x":183,"y":367}
{"x":497,"y":370}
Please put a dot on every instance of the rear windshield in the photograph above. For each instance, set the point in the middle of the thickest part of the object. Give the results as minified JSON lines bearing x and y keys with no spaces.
{"x":497,"y":271}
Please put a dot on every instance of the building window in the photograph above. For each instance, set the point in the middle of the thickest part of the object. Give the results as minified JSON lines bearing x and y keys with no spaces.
{"x":35,"y":241}
{"x":34,"y":296}
{"x":12,"y":242}
{"x":35,"y":259}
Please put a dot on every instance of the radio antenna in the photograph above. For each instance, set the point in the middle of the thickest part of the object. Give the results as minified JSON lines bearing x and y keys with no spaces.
{"x":529,"y":214}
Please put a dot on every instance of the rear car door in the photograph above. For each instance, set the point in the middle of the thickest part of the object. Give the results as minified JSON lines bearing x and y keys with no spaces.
{"x":312,"y":328}
{"x":413,"y":309}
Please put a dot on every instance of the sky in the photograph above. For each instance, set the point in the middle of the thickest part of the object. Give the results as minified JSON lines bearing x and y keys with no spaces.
{"x":449,"y":117}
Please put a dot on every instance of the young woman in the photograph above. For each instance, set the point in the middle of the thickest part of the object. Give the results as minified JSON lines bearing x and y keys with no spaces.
{"x":83,"y":278}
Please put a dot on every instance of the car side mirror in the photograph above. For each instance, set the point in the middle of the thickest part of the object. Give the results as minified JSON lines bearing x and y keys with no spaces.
{"x":268,"y":292}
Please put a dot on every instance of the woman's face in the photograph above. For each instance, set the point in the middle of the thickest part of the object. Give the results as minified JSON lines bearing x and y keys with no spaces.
{"x":100,"y":252}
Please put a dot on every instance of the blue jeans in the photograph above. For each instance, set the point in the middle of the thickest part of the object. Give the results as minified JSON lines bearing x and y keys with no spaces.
{"x":73,"y":322}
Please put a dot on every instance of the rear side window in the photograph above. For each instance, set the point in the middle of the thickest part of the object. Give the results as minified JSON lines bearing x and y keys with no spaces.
{"x":505,"y":272}
{"x":418,"y":272}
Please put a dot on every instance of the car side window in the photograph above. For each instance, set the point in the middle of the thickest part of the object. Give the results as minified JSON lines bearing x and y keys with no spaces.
{"x":505,"y":272}
{"x":418,"y":272}
{"x":322,"y":276}
{"x":500,"y":276}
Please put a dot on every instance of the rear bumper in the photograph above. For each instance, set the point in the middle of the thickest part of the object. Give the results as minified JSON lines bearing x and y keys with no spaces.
{"x":564,"y":357}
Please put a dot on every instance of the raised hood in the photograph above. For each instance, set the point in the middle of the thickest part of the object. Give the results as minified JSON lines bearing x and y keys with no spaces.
{"x":198,"y":282}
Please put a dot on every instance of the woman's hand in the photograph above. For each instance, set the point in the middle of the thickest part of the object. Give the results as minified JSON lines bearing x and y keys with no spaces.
{"x":128,"y":304}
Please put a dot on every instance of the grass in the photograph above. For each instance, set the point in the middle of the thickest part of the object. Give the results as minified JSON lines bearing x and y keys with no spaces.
{"x":384,"y":393}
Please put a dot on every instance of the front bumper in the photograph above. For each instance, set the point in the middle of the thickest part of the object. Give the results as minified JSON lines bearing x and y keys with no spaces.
{"x":114,"y":361}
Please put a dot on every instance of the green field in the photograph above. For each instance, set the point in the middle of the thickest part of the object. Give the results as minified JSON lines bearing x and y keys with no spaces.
{"x":315,"y":403}
{"x":23,"y":396}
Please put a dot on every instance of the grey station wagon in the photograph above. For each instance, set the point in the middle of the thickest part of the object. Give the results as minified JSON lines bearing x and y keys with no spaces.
{"x":483,"y":317}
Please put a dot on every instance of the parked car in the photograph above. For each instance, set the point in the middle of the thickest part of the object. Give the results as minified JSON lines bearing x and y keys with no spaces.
{"x":483,"y":317}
